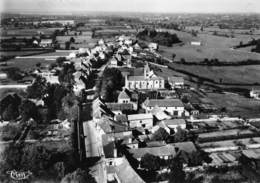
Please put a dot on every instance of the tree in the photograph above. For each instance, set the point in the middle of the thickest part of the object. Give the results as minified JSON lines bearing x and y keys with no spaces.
{"x":109,"y":83}
{"x":11,"y":112}
{"x":66,"y":77}
{"x":183,"y":61}
{"x":69,"y":106}
{"x":35,"y":158}
{"x":150,"y":162}
{"x":72,"y":40}
{"x":9,"y":106}
{"x":53,"y":99}
{"x":37,"y":89}
{"x":29,"y":110}
{"x":67,"y":45}
{"x":173,"y":56}
{"x":160,"y":134}
{"x":78,"y":176}
{"x":177,"y":175}
{"x":60,"y":60}
{"x":180,"y":135}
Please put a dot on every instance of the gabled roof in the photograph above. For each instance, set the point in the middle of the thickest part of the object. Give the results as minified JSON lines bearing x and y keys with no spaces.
{"x":187,"y":147}
{"x":175,"y":79}
{"x":163,"y":103}
{"x":140,"y":116}
{"x":167,"y":150}
{"x":126,"y":173}
{"x":252,"y":153}
{"x":169,"y":122}
{"x":123,"y":95}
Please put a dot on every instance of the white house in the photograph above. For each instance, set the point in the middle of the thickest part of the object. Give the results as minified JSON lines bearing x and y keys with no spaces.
{"x":153,"y":46}
{"x":175,"y":123}
{"x":174,"y":107}
{"x":140,"y":120}
{"x":123,"y":97}
{"x":195,"y":43}
{"x":255,"y":94}
{"x":46,"y":43}
{"x":176,"y":82}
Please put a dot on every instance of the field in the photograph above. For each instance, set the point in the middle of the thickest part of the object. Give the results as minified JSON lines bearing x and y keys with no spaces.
{"x":28,"y":31}
{"x":27,"y":63}
{"x":236,"y":105}
{"x":229,"y":74}
{"x":20,"y":53}
{"x":211,"y":47}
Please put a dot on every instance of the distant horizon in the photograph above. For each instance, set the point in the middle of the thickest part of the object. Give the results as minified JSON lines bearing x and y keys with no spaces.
{"x":133,"y":6}
{"x":31,"y":12}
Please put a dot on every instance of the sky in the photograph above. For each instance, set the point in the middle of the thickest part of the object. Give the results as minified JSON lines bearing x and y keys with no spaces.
{"x":160,"y":6}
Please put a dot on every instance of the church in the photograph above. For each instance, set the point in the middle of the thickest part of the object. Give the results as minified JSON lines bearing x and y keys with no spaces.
{"x":146,"y":81}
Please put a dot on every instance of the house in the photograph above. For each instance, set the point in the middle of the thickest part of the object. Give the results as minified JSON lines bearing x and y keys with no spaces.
{"x":251,"y":158}
{"x":175,"y":123}
{"x":195,"y":43}
{"x":114,"y":62}
{"x":159,"y":113}
{"x":46,"y":43}
{"x":164,"y":152}
{"x":122,"y":172}
{"x":146,"y":81}
{"x":153,"y":46}
{"x":255,"y":94}
{"x":176,"y":82}
{"x":174,"y":107}
{"x":127,"y":97}
{"x":3,"y":75}
{"x":123,"y":97}
{"x":140,"y":120}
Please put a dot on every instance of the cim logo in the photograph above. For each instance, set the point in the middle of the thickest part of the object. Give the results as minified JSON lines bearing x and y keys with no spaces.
{"x":19,"y":176}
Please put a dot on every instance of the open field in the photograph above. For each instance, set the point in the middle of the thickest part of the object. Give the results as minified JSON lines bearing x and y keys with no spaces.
{"x":211,"y":47}
{"x":27,"y":63}
{"x":28,"y":31}
{"x":227,"y":31}
{"x":236,"y":105}
{"x":21,"y":53}
{"x":228,"y":74}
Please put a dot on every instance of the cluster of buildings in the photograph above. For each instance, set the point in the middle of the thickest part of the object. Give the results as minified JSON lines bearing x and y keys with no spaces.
{"x":138,"y":122}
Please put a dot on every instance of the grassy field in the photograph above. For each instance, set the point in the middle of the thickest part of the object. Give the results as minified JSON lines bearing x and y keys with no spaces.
{"x":229,"y":74}
{"x":211,"y":47}
{"x":236,"y":105}
{"x":22,"y":53}
{"x":28,"y":31}
{"x":27,"y":63}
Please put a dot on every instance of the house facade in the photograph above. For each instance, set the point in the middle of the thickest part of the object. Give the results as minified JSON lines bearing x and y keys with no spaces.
{"x":147,"y":81}
{"x":174,"y":107}
{"x":140,"y":121}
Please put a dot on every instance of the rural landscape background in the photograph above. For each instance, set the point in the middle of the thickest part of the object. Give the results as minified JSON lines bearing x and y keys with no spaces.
{"x":77,"y":103}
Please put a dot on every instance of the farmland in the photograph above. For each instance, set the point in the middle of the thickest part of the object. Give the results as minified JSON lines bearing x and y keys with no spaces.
{"x":211,"y":47}
{"x":236,"y":105}
{"x":230,"y":74}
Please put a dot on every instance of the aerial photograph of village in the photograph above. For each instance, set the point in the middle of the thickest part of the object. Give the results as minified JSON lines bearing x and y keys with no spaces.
{"x":140,"y":91}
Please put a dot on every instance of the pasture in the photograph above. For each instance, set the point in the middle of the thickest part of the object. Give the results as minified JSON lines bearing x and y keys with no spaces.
{"x":28,"y":32}
{"x":211,"y":47}
{"x":229,"y":74}
{"x":236,"y":105}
